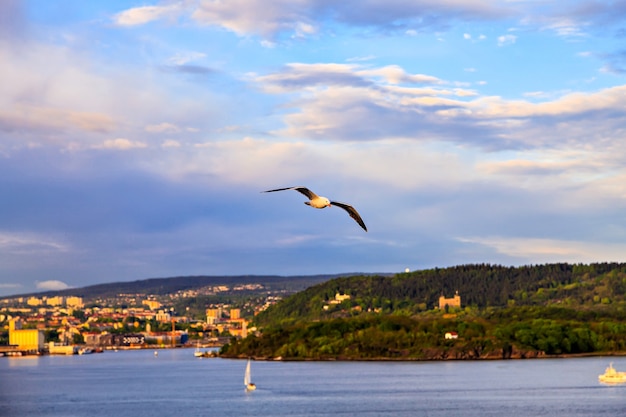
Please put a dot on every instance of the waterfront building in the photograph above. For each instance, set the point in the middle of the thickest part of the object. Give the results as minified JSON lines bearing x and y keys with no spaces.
{"x":122,"y":340}
{"x":92,"y":338}
{"x":61,"y":349}
{"x":29,"y":340}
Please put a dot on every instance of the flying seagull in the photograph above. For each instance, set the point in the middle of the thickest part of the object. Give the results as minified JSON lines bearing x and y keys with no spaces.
{"x":321,"y":202}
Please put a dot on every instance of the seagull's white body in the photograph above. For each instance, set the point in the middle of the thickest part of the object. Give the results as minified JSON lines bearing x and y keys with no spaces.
{"x":319,"y":202}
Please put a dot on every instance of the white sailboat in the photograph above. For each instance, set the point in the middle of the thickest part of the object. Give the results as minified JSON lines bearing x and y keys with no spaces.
{"x":247,"y":379}
{"x":198,"y":353}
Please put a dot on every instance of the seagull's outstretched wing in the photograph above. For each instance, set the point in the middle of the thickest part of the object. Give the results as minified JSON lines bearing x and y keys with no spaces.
{"x":308,"y":193}
{"x":321,"y":202}
{"x":352,"y":212}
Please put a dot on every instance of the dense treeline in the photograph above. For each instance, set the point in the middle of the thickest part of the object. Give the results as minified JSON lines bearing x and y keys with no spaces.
{"x":481,"y":285}
{"x":506,"y":312}
{"x":520,"y":332}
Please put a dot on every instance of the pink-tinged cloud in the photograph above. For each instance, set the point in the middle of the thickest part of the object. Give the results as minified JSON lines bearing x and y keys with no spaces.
{"x":51,"y":285}
{"x":146,"y":14}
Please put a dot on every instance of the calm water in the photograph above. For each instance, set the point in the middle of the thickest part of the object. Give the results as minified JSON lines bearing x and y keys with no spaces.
{"x":136,"y":383}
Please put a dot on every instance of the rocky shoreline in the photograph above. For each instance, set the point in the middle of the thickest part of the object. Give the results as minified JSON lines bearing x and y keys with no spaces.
{"x":433,"y":355}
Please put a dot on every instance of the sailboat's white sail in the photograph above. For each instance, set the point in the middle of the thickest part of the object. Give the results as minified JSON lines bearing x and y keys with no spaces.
{"x":198,"y":353}
{"x":246,"y":377}
{"x":247,"y":380}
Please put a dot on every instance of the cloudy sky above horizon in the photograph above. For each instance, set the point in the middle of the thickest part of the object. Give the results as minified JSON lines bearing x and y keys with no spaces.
{"x":136,"y":136}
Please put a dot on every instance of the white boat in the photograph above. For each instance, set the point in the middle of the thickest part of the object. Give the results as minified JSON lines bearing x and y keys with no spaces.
{"x":247,"y":381}
{"x":198,"y":353}
{"x":611,"y":376}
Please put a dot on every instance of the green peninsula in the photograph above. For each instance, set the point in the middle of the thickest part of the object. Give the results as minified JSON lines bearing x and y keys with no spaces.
{"x":504,"y":312}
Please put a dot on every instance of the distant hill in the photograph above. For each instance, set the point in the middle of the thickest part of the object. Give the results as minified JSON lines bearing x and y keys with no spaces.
{"x":170,"y":285}
{"x":506,"y":312}
{"x":480,"y":285}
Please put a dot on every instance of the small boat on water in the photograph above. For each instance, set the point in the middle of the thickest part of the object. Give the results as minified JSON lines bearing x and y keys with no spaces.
{"x":247,"y":379}
{"x":198,"y":353}
{"x":611,"y":376}
{"x":204,"y":353}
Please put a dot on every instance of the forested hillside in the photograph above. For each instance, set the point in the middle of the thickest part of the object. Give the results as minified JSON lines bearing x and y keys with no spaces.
{"x":480,"y":285}
{"x":506,"y":312}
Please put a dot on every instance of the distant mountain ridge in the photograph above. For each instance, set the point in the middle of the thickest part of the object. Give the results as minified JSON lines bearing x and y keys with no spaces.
{"x":169,"y":285}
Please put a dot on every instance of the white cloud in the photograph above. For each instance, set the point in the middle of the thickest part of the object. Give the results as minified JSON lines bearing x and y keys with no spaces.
{"x":394,"y":74}
{"x":182,"y":58}
{"x":304,"y":29}
{"x":361,"y":58}
{"x":170,"y":144}
{"x":267,"y":19}
{"x":146,"y":14}
{"x":268,"y":44}
{"x":506,"y":40}
{"x":51,"y":95}
{"x":350,"y":103}
{"x":253,"y":17}
{"x":29,"y":243}
{"x":303,"y":18}
{"x":400,"y":164}
{"x":566,"y":27}
{"x":10,"y":286}
{"x":542,"y":250}
{"x":121,"y":144}
{"x":162,"y":128}
{"x":51,"y":285}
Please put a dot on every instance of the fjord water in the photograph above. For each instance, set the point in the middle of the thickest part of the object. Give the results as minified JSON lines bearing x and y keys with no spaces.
{"x":175,"y":383}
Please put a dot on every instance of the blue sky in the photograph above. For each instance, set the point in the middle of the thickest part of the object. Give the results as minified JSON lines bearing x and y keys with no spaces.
{"x":136,"y":136}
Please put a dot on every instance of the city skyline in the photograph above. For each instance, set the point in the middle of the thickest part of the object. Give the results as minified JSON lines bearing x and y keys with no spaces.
{"x":136,"y":138}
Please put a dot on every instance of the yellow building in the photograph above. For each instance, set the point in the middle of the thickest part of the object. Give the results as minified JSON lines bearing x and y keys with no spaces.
{"x":163,"y":316}
{"x":152,"y":304}
{"x":450,"y":302}
{"x":25,"y":340}
{"x":34,"y":301}
{"x":75,"y":302}
{"x":55,"y":301}
{"x":339,"y":298}
{"x":213,"y":315}
{"x":235,"y":313}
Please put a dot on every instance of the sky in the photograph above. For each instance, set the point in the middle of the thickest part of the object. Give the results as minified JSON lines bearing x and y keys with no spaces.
{"x":136,"y":136}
